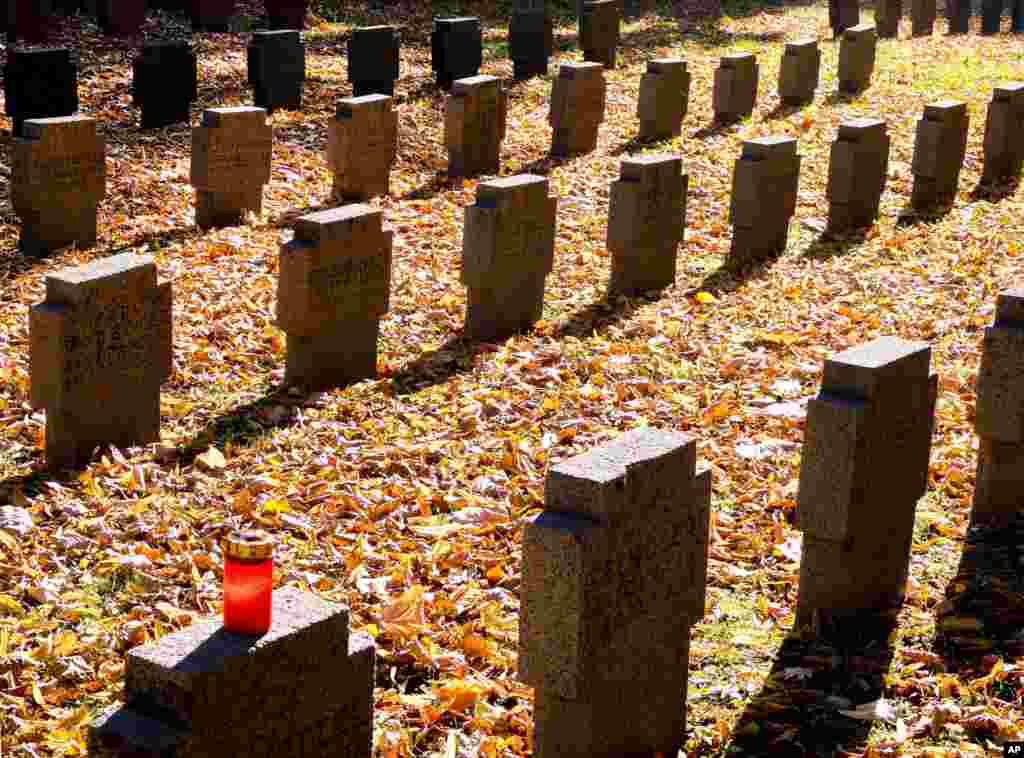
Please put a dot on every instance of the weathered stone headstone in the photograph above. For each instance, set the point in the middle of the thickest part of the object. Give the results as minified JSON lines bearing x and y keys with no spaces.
{"x":664,"y":98}
{"x":333,"y":287}
{"x":867,"y":442}
{"x":999,"y":415}
{"x":577,"y":108}
{"x":599,"y":31}
{"x":456,"y":49}
{"x":474,"y":126}
{"x":164,"y":82}
{"x":958,"y":13}
{"x":939,"y":148}
{"x":1004,"y":126}
{"x":362,"y":142}
{"x":58,"y":178}
{"x":613,"y":577}
{"x":305,"y":688}
{"x":887,"y":17}
{"x":508,"y":249}
{"x":373,"y":60}
{"x":764,"y":188}
{"x":39,"y":83}
{"x":286,"y":14}
{"x":842,"y":14}
{"x":856,"y":58}
{"x":230,"y":164}
{"x":991,"y":16}
{"x":530,"y":39}
{"x":857,"y":173}
{"x":211,"y":15}
{"x":100,"y":345}
{"x":277,"y":69}
{"x":922,"y":17}
{"x":799,"y":71}
{"x":735,"y":89}
{"x":121,"y":16}
{"x":646,"y":218}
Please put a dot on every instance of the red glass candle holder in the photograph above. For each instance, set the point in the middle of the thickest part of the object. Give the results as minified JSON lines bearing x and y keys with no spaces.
{"x":248,"y":581}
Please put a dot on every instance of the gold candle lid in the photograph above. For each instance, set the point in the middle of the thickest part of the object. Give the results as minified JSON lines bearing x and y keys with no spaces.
{"x":249,"y":545}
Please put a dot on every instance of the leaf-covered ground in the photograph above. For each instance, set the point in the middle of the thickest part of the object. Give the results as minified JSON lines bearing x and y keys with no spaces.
{"x":404,"y":497}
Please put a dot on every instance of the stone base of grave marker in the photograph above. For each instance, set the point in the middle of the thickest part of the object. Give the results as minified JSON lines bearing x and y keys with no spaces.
{"x":664,"y":98}
{"x":991,"y":16}
{"x":529,"y":40}
{"x":373,"y":64}
{"x":939,"y":149}
{"x":1004,"y":151}
{"x":303,"y":689}
{"x":856,"y":58}
{"x":474,"y":126}
{"x":599,"y":31}
{"x":763,"y":198}
{"x":286,"y":14}
{"x":856,"y":174}
{"x":121,"y":16}
{"x":842,"y":14}
{"x":164,"y":83}
{"x":887,"y":17}
{"x":39,"y":83}
{"x":735,"y":88}
{"x":456,"y":47}
{"x":218,"y":208}
{"x":577,"y":108}
{"x":362,"y":144}
{"x":277,"y":69}
{"x":799,"y":71}
{"x":922,"y":17}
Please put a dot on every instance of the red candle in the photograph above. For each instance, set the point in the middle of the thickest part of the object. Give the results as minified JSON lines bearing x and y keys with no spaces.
{"x":248,"y":581}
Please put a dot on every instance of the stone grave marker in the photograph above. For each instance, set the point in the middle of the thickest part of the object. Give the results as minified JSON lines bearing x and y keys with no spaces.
{"x":58,"y":178}
{"x":939,"y":148}
{"x":735,"y":90}
{"x":334,"y":281}
{"x":887,"y":17}
{"x":856,"y":58}
{"x":121,"y":16}
{"x":474,"y":126}
{"x":1004,"y":126}
{"x":856,"y":173}
{"x":999,"y":416}
{"x":362,"y":142}
{"x":599,"y":31}
{"x":373,"y":60}
{"x":764,"y":188}
{"x":305,"y":688}
{"x":922,"y":17}
{"x":277,"y":69}
{"x":39,"y":83}
{"x":864,"y":466}
{"x":100,"y":346}
{"x":530,"y":39}
{"x":230,"y":164}
{"x":799,"y":71}
{"x":508,"y":249}
{"x":991,"y":15}
{"x":664,"y":98}
{"x":646,"y":218}
{"x":958,"y":13}
{"x":286,"y":14}
{"x":211,"y":15}
{"x":577,"y":108}
{"x":613,"y":577}
{"x":842,"y":14}
{"x":164,"y":82}
{"x":456,"y":48}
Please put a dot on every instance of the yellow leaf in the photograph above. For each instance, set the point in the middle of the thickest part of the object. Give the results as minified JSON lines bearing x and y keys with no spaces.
{"x":705,"y":298}
{"x":37,"y":695}
{"x":276,"y":505}
{"x":9,"y":605}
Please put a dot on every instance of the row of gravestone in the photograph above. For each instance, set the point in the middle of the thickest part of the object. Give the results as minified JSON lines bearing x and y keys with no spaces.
{"x":613,"y":569}
{"x":843,"y":14}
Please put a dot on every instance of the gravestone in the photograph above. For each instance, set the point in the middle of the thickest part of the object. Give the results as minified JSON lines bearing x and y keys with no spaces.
{"x":211,"y":15}
{"x":456,"y":49}
{"x":922,"y":17}
{"x":277,"y":69}
{"x":362,"y":143}
{"x":991,"y":15}
{"x":39,"y":83}
{"x":798,"y":72}
{"x":599,"y":31}
{"x":164,"y":82}
{"x":286,"y":14}
{"x":958,"y":14}
{"x":939,"y":148}
{"x":474,"y":126}
{"x":856,"y":58}
{"x":373,"y":60}
{"x":735,"y":89}
{"x":842,"y":14}
{"x":530,"y":39}
{"x":100,"y":346}
{"x":508,"y":249}
{"x":646,"y":218}
{"x":864,"y":466}
{"x":577,"y":108}
{"x":613,"y":577}
{"x":664,"y":98}
{"x":58,"y":178}
{"x":999,"y":416}
{"x":764,"y":188}
{"x":230,"y":164}
{"x":305,"y":688}
{"x":121,"y":16}
{"x":1004,"y":149}
{"x":887,"y":17}
{"x":334,"y":280}
{"x":856,"y":173}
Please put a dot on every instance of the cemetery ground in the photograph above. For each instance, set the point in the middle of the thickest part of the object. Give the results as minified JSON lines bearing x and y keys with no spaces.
{"x":405,"y":496}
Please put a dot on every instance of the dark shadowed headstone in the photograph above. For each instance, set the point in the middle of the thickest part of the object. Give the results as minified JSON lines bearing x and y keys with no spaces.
{"x":613,"y":577}
{"x":373,"y":60}
{"x":100,"y":348}
{"x":456,"y":48}
{"x":764,"y":188}
{"x":474,"y":126}
{"x":599,"y":31}
{"x":164,"y":82}
{"x":333,"y":288}
{"x":856,"y":174}
{"x":922,"y":17}
{"x":842,"y":14}
{"x":121,"y":16}
{"x":958,"y":13}
{"x":856,"y":58}
{"x":362,"y":142}
{"x":286,"y":14}
{"x":735,"y":89}
{"x":887,"y":17}
{"x":991,"y":15}
{"x":39,"y":83}
{"x":305,"y":688}
{"x":664,"y":98}
{"x":277,"y":69}
{"x":58,"y":178}
{"x":529,"y":39}
{"x":211,"y":15}
{"x":939,"y":149}
{"x":799,"y":71}
{"x":577,"y":108}
{"x":508,"y":249}
{"x":1004,"y":127}
{"x":864,"y":467}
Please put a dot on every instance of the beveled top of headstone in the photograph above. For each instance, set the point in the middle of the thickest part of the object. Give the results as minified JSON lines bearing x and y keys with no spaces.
{"x":73,"y":285}
{"x":39,"y":51}
{"x":376,"y":28}
{"x":331,"y":224}
{"x":666,"y":64}
{"x":856,"y":128}
{"x":945,"y":110}
{"x":859,"y":30}
{"x":1010,"y":307}
{"x":766,"y":148}
{"x":802,"y":44}
{"x":165,"y":44}
{"x":35,"y":127}
{"x":346,"y":105}
{"x":860,"y":370}
{"x":1007,"y":90}
{"x":472,"y":81}
{"x":235,"y":117}
{"x":634,"y":166}
{"x":490,"y":194}
{"x":572,"y":70}
{"x":457,"y":20}
{"x":738,"y":60}
{"x":292,"y":36}
{"x":598,"y":3}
